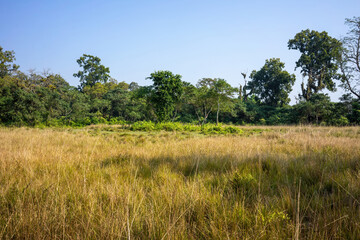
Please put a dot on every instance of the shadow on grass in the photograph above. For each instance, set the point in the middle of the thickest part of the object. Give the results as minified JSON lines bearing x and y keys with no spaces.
{"x":187,"y":166}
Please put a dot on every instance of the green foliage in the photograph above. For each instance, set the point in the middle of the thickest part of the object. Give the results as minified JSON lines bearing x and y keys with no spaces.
{"x":6,"y":65}
{"x":212,"y":94}
{"x":271,"y":84}
{"x":93,"y":72}
{"x":208,"y":128}
{"x":169,"y":126}
{"x":317,"y":110}
{"x":319,"y":58}
{"x":143,"y":126}
{"x":341,"y":121}
{"x":262,"y":121}
{"x":168,"y":89}
{"x":116,"y":121}
{"x":354,"y":114}
{"x":48,"y":100}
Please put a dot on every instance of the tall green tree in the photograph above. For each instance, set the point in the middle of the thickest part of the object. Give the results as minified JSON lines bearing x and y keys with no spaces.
{"x":319,"y":58}
{"x":211,"y":94}
{"x":350,"y":64}
{"x":167,"y":91}
{"x":224,"y":93}
{"x":272,"y":84}
{"x":204,"y":98}
{"x":6,"y":62}
{"x":93,"y":72}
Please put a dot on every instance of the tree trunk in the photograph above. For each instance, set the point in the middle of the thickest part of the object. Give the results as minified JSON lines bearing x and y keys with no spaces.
{"x":240,"y":93}
{"x":174,"y":116}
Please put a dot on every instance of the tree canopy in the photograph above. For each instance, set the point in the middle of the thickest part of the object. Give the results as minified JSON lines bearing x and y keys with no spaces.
{"x":318,"y":61}
{"x":167,"y":92}
{"x":6,"y":62}
{"x":272,"y":84}
{"x":93,"y":72}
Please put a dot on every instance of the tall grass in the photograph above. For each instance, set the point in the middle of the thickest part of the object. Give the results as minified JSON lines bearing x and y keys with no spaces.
{"x":283,"y":183}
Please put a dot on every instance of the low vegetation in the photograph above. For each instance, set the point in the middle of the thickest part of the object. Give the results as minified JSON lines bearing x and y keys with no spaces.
{"x":110,"y":182}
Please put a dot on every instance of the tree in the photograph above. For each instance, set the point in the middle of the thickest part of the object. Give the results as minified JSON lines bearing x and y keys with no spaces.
{"x":224,"y":93}
{"x":143,"y":96}
{"x":6,"y":65}
{"x":243,"y":94}
{"x":93,"y":72}
{"x":350,"y":62}
{"x":316,"y":110}
{"x":318,"y":61}
{"x":204,"y":98}
{"x":167,"y":92}
{"x":18,"y":104}
{"x":271,"y":84}
{"x":133,"y":86}
{"x":212,"y":93}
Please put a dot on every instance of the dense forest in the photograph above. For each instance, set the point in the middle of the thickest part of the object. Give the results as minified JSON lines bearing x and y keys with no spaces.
{"x":47,"y":99}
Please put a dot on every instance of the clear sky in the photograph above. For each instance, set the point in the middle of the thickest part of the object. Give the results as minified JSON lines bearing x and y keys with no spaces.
{"x":194,"y":38}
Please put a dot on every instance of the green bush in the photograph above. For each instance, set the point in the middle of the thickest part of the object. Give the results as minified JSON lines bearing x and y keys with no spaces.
{"x":143,"y":126}
{"x":191,"y":128}
{"x":341,"y":121}
{"x":169,"y":126}
{"x":208,"y":128}
{"x":116,"y":121}
{"x":232,"y":129}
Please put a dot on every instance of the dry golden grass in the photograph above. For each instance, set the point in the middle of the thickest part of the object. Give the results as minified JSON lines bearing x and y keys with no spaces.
{"x":281,"y":183}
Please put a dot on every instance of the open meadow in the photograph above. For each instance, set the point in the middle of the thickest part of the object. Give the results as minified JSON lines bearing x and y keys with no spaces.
{"x":105,"y":182}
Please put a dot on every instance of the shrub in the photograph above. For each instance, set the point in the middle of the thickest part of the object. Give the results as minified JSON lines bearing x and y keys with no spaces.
{"x":341,"y":121}
{"x":116,"y":121}
{"x":169,"y":126}
{"x":191,"y":128}
{"x":232,"y":129}
{"x":143,"y":126}
{"x":208,"y":128}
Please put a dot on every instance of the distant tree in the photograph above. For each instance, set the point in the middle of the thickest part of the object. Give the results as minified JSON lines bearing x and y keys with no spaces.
{"x":224,"y":93}
{"x":316,"y":110}
{"x":271,"y":84}
{"x":143,"y":96}
{"x":204,"y":98}
{"x":243,"y":93}
{"x":350,"y":64}
{"x":79,"y":106}
{"x":212,"y":93}
{"x":19,"y":104}
{"x":51,"y":89}
{"x":318,"y":61}
{"x":185,"y":106}
{"x":167,"y":91}
{"x":54,"y":82}
{"x":6,"y":65}
{"x":133,"y":86}
{"x":93,"y":72}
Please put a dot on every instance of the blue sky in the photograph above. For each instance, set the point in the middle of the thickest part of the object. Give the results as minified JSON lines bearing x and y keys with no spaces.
{"x":193,"y":38}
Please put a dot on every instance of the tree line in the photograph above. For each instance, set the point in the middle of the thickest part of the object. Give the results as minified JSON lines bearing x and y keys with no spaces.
{"x":262,"y":98}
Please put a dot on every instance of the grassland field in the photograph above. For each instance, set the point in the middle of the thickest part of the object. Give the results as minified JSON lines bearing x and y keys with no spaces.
{"x":106,"y":182}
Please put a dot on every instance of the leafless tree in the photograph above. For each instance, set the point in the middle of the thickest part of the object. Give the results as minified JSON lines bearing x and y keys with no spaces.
{"x":350,"y":64}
